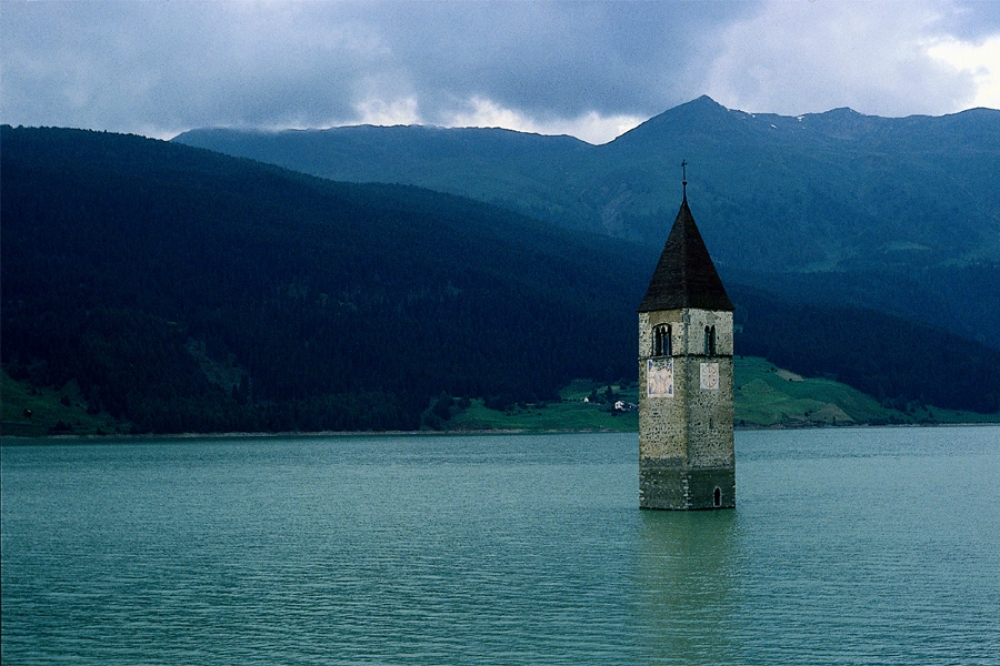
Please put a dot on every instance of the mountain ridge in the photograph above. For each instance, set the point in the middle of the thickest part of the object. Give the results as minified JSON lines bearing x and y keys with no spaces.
{"x":777,"y":198}
{"x":566,"y":171}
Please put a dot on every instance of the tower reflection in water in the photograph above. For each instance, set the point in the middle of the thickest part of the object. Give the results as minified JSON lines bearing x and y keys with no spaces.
{"x":688,"y":565}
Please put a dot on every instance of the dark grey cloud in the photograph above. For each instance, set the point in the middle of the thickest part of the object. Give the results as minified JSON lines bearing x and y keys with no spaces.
{"x":174,"y":65}
{"x":560,"y":58}
{"x":162,"y":67}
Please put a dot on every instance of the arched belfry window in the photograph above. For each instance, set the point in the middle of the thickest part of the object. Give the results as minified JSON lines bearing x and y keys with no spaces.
{"x":662,"y":342}
{"x":709,"y":341}
{"x":717,"y":497}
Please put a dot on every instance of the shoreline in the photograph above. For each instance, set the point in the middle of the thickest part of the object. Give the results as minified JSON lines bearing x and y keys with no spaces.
{"x":27,"y":440}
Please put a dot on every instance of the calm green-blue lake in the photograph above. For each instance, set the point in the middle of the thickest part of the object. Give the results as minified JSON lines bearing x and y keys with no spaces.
{"x":848,"y":546}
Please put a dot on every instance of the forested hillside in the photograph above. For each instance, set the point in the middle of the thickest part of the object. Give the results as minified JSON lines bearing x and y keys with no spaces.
{"x":182,"y":290}
{"x":837,"y":207}
{"x":130,"y":263}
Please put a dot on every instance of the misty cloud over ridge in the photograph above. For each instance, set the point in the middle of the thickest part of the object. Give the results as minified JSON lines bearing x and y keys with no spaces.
{"x":593,"y":69}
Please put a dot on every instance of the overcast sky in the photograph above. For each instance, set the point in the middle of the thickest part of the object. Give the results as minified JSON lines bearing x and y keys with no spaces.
{"x":590,"y":69}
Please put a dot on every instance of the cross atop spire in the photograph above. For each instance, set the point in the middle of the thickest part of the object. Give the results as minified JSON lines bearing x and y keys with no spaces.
{"x":684,"y":182}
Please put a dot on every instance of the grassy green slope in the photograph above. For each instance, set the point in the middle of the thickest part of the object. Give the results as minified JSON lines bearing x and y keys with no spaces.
{"x":31,"y":411}
{"x":765,"y":396}
{"x":570,"y":414}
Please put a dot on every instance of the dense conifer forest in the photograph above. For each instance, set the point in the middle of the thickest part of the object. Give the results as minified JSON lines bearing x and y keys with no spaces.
{"x":129,"y":263}
{"x":187,"y":291}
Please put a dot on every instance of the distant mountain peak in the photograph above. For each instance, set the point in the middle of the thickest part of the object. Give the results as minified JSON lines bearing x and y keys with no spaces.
{"x":842,"y":110}
{"x":700,"y":115}
{"x":703,"y":104}
{"x":703,"y":100}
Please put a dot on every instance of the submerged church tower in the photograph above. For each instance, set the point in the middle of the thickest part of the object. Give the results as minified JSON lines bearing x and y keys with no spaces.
{"x":686,"y":456}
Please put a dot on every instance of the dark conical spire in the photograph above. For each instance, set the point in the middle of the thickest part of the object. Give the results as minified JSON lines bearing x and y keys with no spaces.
{"x":685,"y":276}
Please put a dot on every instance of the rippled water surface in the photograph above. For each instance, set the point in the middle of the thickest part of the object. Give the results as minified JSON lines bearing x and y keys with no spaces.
{"x":852,"y":546}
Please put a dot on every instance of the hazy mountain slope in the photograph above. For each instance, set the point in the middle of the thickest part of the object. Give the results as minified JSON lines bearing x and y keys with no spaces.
{"x":831,"y":190}
{"x":776,"y":193}
{"x":896,"y":214}
{"x":492,"y":165}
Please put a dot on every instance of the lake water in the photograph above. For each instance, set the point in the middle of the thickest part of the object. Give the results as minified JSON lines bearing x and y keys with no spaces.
{"x":848,"y":546}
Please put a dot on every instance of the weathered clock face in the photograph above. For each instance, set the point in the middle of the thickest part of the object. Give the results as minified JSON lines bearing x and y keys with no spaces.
{"x":710,"y":376}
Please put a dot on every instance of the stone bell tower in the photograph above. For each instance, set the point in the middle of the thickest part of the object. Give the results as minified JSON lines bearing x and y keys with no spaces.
{"x":686,"y":455}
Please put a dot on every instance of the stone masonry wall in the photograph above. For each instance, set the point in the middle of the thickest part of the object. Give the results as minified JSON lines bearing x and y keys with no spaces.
{"x":686,"y":441}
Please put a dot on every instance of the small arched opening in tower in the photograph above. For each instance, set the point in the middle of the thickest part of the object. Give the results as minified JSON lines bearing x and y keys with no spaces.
{"x":662,"y":341}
